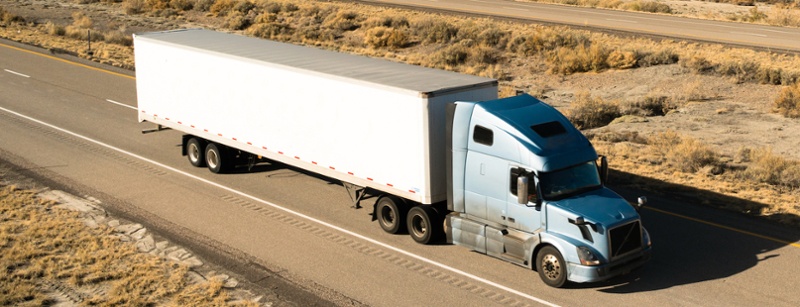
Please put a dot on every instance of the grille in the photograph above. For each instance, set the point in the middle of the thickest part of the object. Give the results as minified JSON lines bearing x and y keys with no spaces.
{"x":625,"y":239}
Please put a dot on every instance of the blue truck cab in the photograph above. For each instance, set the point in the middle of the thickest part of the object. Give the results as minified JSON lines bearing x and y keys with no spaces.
{"x":527,"y":187}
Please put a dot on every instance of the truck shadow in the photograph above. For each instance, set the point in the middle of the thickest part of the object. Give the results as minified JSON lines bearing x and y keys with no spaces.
{"x":693,"y":242}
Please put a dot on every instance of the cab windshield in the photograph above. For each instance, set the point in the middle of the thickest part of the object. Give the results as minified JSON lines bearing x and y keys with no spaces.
{"x":569,"y":181}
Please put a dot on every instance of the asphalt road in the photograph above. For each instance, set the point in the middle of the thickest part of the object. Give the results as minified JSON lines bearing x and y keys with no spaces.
{"x":665,"y":26}
{"x":77,"y":124}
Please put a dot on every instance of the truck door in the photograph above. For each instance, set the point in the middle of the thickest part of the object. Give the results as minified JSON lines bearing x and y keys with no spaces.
{"x":484,"y":191}
{"x":524,"y":217}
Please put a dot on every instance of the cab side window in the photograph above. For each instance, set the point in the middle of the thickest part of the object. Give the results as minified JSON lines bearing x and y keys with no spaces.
{"x":483,"y":135}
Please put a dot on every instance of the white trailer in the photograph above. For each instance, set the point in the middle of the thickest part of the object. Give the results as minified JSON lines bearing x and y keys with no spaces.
{"x":368,"y":122}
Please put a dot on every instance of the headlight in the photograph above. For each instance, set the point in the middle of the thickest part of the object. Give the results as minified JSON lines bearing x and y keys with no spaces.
{"x":586,"y":256}
{"x":646,"y":238}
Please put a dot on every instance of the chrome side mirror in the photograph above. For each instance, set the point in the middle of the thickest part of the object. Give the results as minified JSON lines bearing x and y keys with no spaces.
{"x":522,"y":189}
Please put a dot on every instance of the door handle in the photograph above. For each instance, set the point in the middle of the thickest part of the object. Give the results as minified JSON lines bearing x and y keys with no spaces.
{"x":511,"y":219}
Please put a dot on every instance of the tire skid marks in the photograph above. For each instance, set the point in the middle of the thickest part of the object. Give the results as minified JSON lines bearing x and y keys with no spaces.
{"x":398,"y":260}
{"x":81,"y":144}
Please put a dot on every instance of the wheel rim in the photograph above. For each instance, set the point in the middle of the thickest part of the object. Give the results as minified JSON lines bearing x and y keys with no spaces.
{"x":212,"y":159}
{"x":419,"y":226}
{"x":551,"y":267}
{"x":387,"y":216}
{"x":194,"y":152}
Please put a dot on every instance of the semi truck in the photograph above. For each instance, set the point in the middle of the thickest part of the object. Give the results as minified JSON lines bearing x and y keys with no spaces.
{"x":444,"y":157}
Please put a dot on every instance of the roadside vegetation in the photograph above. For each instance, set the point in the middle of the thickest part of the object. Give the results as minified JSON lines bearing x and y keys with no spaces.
{"x":508,"y":52}
{"x":782,"y":13}
{"x":45,"y":250}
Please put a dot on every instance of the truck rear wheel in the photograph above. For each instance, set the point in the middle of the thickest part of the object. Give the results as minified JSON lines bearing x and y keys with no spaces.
{"x":216,"y":158}
{"x":391,"y":214}
{"x":196,"y":152}
{"x":551,"y":267}
{"x":424,"y":224}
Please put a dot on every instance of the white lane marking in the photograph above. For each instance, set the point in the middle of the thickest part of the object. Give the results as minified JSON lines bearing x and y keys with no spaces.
{"x":748,"y":33}
{"x":121,"y":104}
{"x":287,"y":210}
{"x":622,"y":20}
{"x":517,"y":9}
{"x":16,"y":73}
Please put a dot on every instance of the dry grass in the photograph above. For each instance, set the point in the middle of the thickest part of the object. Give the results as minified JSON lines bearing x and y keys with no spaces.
{"x":586,"y":112}
{"x":43,"y":245}
{"x":766,"y":184}
{"x":788,"y":103}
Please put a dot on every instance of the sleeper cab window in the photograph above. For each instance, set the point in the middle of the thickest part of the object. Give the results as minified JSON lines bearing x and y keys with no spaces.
{"x":483,"y":135}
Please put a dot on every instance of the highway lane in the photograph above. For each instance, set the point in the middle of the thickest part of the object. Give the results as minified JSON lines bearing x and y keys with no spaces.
{"x":741,"y":34}
{"x":694,"y":262}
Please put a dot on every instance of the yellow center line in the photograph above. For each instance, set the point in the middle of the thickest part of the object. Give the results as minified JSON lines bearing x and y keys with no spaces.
{"x":795,"y":244}
{"x":68,"y":61}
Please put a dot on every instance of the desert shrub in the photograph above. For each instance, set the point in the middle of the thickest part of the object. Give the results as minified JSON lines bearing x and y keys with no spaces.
{"x":450,"y":56}
{"x":343,"y":21}
{"x":387,"y":21}
{"x":547,"y":39}
{"x":430,"y":30}
{"x":647,"y":6}
{"x":784,"y":15}
{"x":244,"y":7}
{"x":788,"y":102}
{"x":269,"y":30}
{"x":7,"y":18}
{"x":684,"y":154}
{"x":664,"y":56}
{"x":752,"y":15}
{"x":385,"y":37}
{"x":54,"y":29}
{"x":119,"y":38}
{"x":236,"y":20}
{"x":615,"y":136}
{"x":650,"y":105}
{"x":494,"y":37}
{"x":586,"y":112}
{"x":485,"y":55}
{"x":203,"y":5}
{"x":182,"y":5}
{"x":222,"y":7}
{"x":134,"y":7}
{"x":697,"y":64}
{"x":81,"y":21}
{"x":567,"y":60}
{"x":622,"y":59}
{"x":767,"y":167}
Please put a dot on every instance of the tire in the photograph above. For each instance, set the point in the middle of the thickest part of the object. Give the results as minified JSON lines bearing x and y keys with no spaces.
{"x":424,"y":224}
{"x":196,"y":152}
{"x":551,"y":267}
{"x":391,"y":214}
{"x":216,"y":158}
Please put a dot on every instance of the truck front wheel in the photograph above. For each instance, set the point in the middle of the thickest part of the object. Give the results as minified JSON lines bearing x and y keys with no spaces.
{"x":391,"y":214}
{"x":216,"y":158}
{"x":196,"y":152}
{"x":551,"y":267}
{"x":424,"y":224}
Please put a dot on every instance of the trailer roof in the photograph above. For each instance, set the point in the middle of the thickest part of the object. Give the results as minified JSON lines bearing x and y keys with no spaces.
{"x":426,"y":81}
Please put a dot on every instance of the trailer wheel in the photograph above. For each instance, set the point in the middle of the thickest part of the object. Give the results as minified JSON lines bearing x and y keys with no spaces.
{"x":391,"y":213}
{"x":424,"y":224}
{"x":195,"y":152}
{"x":216,"y":158}
{"x":551,"y":267}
